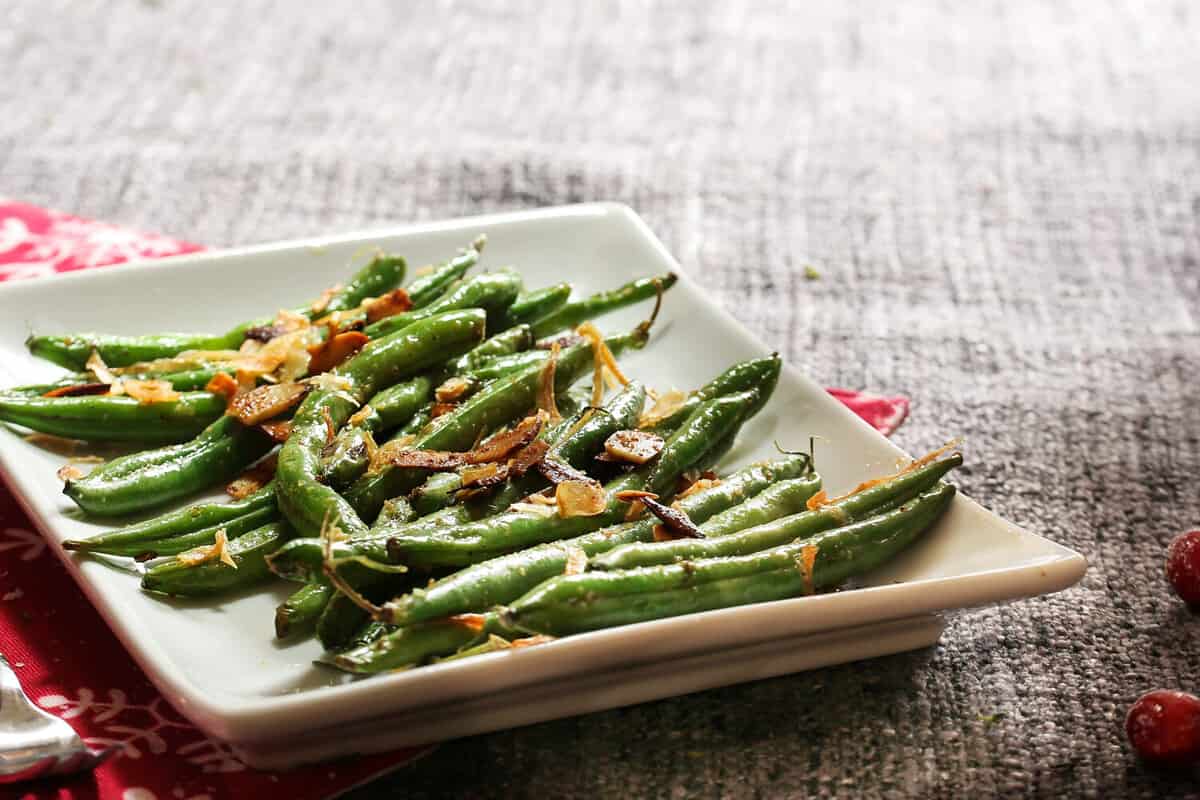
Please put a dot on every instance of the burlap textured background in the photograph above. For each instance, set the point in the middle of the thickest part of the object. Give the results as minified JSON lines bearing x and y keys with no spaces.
{"x":1001,"y":198}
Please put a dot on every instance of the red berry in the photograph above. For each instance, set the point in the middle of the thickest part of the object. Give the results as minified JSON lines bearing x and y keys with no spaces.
{"x":1183,"y":566}
{"x":1164,"y":726}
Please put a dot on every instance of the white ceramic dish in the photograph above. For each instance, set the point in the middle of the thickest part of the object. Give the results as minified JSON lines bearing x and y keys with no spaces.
{"x":218,"y":663}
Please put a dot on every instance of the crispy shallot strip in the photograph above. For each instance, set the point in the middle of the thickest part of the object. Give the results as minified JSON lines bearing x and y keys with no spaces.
{"x":675,"y":523}
{"x":77,"y":390}
{"x":545,"y":396}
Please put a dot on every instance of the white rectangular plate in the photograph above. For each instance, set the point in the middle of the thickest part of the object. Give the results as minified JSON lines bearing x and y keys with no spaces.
{"x":218,"y":662}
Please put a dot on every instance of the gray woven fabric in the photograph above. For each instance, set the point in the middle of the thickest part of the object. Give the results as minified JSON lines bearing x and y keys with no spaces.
{"x":1002,"y":200}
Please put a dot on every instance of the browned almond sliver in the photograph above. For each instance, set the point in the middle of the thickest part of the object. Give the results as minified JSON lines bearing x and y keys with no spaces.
{"x":580,"y":498}
{"x":335,"y":350}
{"x":441,"y":409}
{"x":147,"y":392}
{"x":279,"y":431}
{"x":265,"y":402}
{"x":394,"y":302}
{"x":77,"y":389}
{"x":437,"y":460}
{"x":675,"y":523}
{"x":633,"y":447}
{"x":484,"y":475}
{"x":498,"y":447}
{"x":451,"y":390}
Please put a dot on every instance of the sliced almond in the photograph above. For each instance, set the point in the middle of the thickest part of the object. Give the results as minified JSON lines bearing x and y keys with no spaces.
{"x":580,"y":498}
{"x":147,"y":392}
{"x":265,"y":402}
{"x":452,"y":389}
{"x":633,"y":447}
{"x":394,"y":302}
{"x":335,"y":350}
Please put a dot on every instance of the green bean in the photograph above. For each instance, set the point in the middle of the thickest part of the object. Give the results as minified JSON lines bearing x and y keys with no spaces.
{"x":516,"y":529}
{"x":176,"y":523}
{"x":72,"y":351}
{"x":343,"y":618}
{"x":152,"y":478}
{"x":347,"y":457}
{"x":436,"y":492}
{"x":214,"y":577}
{"x":490,"y":369}
{"x":576,"y":312}
{"x":428,"y":288}
{"x":298,"y":614}
{"x":340,"y":620}
{"x":758,"y":373}
{"x":504,"y":579}
{"x":511,"y":340}
{"x":499,"y":403}
{"x":408,"y":647}
{"x":114,"y":418}
{"x":302,"y":559}
{"x":493,"y":292}
{"x":593,"y":600}
{"x":306,"y":502}
{"x":369,"y":633}
{"x":854,"y":507}
{"x":532,"y":306}
{"x":173,"y":545}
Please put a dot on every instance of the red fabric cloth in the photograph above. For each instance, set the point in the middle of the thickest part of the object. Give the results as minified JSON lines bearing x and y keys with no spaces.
{"x":67,"y":659}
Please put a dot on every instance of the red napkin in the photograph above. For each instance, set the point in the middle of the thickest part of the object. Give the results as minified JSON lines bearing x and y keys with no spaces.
{"x":67,"y":659}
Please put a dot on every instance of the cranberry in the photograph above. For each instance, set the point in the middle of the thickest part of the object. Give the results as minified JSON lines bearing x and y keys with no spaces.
{"x":1183,"y":567}
{"x":1164,"y":727}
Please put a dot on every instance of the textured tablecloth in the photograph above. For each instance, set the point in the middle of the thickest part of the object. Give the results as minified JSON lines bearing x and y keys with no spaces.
{"x":1002,"y":201}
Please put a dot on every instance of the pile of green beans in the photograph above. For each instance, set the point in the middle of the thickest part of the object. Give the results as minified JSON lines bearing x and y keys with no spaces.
{"x":397,"y":566}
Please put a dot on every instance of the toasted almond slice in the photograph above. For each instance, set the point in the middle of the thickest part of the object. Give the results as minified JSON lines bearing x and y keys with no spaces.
{"x":147,"y":392}
{"x":95,"y":364}
{"x":265,"y":402}
{"x":484,"y":475}
{"x":634,"y":447}
{"x":664,"y":405}
{"x":437,"y":460}
{"x":441,"y":409}
{"x":452,"y":389}
{"x":698,"y":486}
{"x":580,"y":498}
{"x":69,"y":472}
{"x":279,"y":431}
{"x":498,"y":447}
{"x":394,"y":302}
{"x":335,"y":350}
